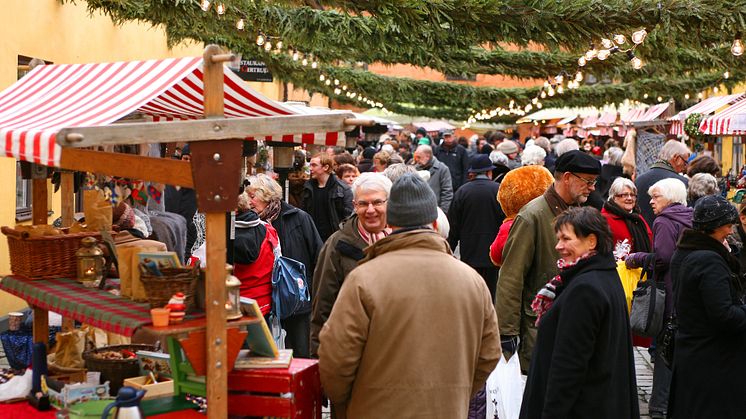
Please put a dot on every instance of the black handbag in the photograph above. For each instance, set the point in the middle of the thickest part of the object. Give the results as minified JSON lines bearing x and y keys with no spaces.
{"x":667,"y":340}
{"x":648,"y":303}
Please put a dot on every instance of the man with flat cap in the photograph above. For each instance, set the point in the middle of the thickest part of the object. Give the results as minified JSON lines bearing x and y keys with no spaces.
{"x":475,"y":216}
{"x":530,"y":259}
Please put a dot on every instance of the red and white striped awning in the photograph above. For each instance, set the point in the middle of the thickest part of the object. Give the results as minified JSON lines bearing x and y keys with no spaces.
{"x":720,"y":123}
{"x":704,"y":107}
{"x":589,"y":121}
{"x":632,"y":115}
{"x":52,"y":97}
{"x":652,"y":113}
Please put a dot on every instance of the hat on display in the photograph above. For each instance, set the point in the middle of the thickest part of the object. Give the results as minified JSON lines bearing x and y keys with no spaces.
{"x":507,"y":147}
{"x":576,"y":161}
{"x":713,"y":211}
{"x":411,"y":202}
{"x":480,"y":163}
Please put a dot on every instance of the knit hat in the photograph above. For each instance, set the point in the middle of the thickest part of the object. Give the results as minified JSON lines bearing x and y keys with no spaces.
{"x":507,"y":147}
{"x":421,"y":131}
{"x":713,"y":211}
{"x":411,"y":202}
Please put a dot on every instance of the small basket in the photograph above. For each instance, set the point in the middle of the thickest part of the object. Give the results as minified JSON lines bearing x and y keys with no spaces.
{"x":44,"y":257}
{"x":160,"y":289}
{"x":115,"y":370}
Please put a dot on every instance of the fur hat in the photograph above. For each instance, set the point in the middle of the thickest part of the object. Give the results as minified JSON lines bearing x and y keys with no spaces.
{"x":521,"y":185}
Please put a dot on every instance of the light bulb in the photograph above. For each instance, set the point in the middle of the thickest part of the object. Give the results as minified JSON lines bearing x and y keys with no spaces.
{"x":260,"y":40}
{"x":268,"y":46}
{"x":543,"y":94}
{"x":539,"y":105}
{"x":645,"y":96}
{"x":240,"y":24}
{"x":314,"y":64}
{"x":660,"y":99}
{"x":344,"y":87}
{"x":336,"y":82}
{"x":296,"y":56}
{"x":337,"y":91}
{"x":591,"y":54}
{"x":686,"y":96}
{"x":528,"y":107}
{"x":639,"y":36}
{"x":304,"y":62}
{"x":559,"y":79}
{"x":619,"y":39}
{"x":606,"y":43}
{"x":328,"y":82}
{"x":551,"y":91}
{"x":535,"y":100}
{"x":220,"y":9}
{"x":278,"y":45}
{"x":636,"y":63}
{"x":560,"y":89}
{"x":582,"y":61}
{"x":603,"y":54}
{"x":737,"y":47}
{"x":726,"y":75}
{"x":700,"y":95}
{"x":546,"y":83}
{"x":579,"y":76}
{"x":322,"y":77}
{"x":715,"y":89}
{"x":512,"y":103}
{"x":205,"y":5}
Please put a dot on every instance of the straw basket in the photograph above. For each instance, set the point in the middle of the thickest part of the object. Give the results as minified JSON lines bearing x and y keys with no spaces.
{"x":44,"y":257}
{"x":115,"y":370}
{"x":161,"y":288}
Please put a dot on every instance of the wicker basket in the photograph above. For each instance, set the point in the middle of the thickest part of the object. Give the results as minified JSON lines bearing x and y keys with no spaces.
{"x":160,"y":289}
{"x":44,"y":257}
{"x":115,"y":370}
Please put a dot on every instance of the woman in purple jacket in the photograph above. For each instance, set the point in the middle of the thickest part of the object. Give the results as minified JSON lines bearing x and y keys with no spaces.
{"x":672,"y":216}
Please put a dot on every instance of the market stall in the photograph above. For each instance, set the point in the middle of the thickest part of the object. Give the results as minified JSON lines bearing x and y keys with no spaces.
{"x":727,"y":125}
{"x":705,"y":108}
{"x":54,"y":114}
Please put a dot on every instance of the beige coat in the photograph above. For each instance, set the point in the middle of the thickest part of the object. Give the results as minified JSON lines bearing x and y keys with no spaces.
{"x":413,"y":333}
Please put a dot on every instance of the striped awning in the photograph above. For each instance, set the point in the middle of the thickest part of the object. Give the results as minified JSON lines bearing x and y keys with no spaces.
{"x":589,"y":121}
{"x":52,"y":97}
{"x":607,"y":119}
{"x":632,"y":115}
{"x":705,"y":107}
{"x":721,"y":122}
{"x":652,"y":113}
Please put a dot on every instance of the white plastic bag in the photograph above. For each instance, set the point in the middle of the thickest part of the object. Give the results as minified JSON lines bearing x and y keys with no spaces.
{"x":17,"y":387}
{"x":505,"y":389}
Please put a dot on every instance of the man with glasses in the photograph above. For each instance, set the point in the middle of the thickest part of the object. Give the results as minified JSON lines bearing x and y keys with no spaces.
{"x":344,"y":249}
{"x":673,"y":159}
{"x":529,"y":256}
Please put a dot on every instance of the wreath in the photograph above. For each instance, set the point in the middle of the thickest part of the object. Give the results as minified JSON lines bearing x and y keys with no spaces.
{"x":691,"y":125}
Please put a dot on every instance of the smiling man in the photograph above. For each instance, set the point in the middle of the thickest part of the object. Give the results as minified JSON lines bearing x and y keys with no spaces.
{"x":529,"y":256}
{"x":344,"y":248}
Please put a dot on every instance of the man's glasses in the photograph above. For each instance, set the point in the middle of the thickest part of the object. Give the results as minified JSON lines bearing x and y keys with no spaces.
{"x":378,"y":203}
{"x":589,"y":182}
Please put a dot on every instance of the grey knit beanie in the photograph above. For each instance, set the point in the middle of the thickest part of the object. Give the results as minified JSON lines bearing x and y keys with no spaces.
{"x":411,"y":202}
{"x":713,"y":211}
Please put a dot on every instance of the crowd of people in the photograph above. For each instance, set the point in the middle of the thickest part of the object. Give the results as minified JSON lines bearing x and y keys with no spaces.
{"x":430,"y":258}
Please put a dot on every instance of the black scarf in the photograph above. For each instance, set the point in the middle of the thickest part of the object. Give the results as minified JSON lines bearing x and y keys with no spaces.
{"x":635,"y":224}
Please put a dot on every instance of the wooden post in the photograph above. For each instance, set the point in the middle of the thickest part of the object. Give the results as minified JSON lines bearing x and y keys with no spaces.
{"x":68,"y":198}
{"x":39,"y":205}
{"x":215,"y":235}
{"x":41,"y":326}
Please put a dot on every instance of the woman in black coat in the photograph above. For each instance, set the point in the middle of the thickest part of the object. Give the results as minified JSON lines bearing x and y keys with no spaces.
{"x":299,"y":240}
{"x":582,"y":365}
{"x":709,"y":366}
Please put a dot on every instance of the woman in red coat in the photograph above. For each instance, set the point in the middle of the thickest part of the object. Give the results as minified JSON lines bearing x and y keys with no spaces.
{"x":626,"y":223}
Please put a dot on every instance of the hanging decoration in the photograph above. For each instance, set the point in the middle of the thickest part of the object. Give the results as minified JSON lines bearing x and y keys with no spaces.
{"x":691,"y":125}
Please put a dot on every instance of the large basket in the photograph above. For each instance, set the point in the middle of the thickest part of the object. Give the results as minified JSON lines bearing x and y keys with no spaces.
{"x":44,"y":257}
{"x":115,"y":370}
{"x":160,"y":289}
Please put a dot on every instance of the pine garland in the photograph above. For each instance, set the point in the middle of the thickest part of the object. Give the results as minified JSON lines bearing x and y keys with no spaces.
{"x":691,"y":125}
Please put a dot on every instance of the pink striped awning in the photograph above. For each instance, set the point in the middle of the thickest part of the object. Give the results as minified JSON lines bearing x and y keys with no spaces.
{"x":720,"y":123}
{"x":632,"y":115}
{"x":704,"y":107}
{"x":652,"y":113}
{"x":52,"y":97}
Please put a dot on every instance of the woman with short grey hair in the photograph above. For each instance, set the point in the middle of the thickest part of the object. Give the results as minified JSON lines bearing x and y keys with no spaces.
{"x":533,"y":155}
{"x":701,"y":184}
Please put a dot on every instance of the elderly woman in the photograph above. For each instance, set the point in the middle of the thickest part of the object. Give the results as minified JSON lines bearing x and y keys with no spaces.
{"x":533,"y":155}
{"x":624,"y":218}
{"x":701,"y":184}
{"x":710,"y":349}
{"x":299,"y":240}
{"x":672,"y":217}
{"x":582,"y":365}
{"x":610,"y":171}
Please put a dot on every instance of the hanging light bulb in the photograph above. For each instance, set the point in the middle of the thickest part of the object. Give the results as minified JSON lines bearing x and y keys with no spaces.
{"x":636,"y":63}
{"x":591,"y":54}
{"x":512,"y":103}
{"x":645,"y":96}
{"x":700,"y":95}
{"x":606,"y":43}
{"x":205,"y":5}
{"x":639,"y":36}
{"x":686,"y":96}
{"x":543,"y":94}
{"x":336,"y":82}
{"x":603,"y":54}
{"x":579,"y":76}
{"x":546,"y":83}
{"x":535,"y":100}
{"x":278,"y":45}
{"x":550,"y":92}
{"x":582,"y":61}
{"x":344,"y":87}
{"x":268,"y":46}
{"x":328,"y":82}
{"x":726,"y":75}
{"x":259,"y":39}
{"x":322,"y":77}
{"x":304,"y":62}
{"x":619,"y":39}
{"x":337,"y":91}
{"x":353,"y":95}
{"x":220,"y":8}
{"x":240,"y":24}
{"x":560,"y":89}
{"x":737,"y":47}
{"x":539,"y":105}
{"x":559,"y":79}
{"x":296,"y":55}
{"x":314,"y":64}
{"x":715,"y":89}
{"x":660,"y":99}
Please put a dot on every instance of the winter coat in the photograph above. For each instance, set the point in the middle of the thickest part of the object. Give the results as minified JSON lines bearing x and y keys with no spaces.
{"x":380,"y":354}
{"x":341,"y":201}
{"x":710,"y":351}
{"x":253,"y":258}
{"x":620,"y":231}
{"x":475,"y":217}
{"x":338,"y":257}
{"x":440,"y":182}
{"x":667,"y":228}
{"x":299,"y":239}
{"x":457,"y":160}
{"x":658,"y":171}
{"x":741,"y":236}
{"x":609,"y":173}
{"x":530,"y":261}
{"x":497,"y":246}
{"x":583,"y":365}
{"x":365,"y":165}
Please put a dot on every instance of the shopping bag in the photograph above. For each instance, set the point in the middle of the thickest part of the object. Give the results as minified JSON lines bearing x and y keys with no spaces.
{"x":505,"y":389}
{"x":629,"y":277}
{"x":648,"y":304}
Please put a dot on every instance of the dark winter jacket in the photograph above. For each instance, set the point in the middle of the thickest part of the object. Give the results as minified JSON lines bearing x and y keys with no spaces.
{"x":583,"y":365}
{"x":658,"y":171}
{"x":457,"y":160}
{"x":667,"y":229}
{"x":609,"y":173}
{"x":299,"y":238}
{"x":709,"y":367}
{"x":365,"y":165}
{"x":341,"y":201}
{"x":475,"y":217}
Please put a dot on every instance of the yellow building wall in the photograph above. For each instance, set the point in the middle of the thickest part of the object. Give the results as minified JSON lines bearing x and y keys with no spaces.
{"x":68,"y":34}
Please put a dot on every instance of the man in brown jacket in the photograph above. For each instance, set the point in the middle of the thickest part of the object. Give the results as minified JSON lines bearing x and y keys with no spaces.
{"x":413,"y":331}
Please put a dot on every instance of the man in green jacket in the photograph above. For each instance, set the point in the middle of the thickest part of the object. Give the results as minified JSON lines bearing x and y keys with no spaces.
{"x":530,"y":259}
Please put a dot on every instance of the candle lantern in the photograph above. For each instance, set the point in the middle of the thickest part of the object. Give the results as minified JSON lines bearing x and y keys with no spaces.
{"x":90,"y":262}
{"x":232,"y":295}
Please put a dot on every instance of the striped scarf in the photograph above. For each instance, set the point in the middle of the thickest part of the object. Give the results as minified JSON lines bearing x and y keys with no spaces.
{"x":547,"y":294}
{"x":371,"y":238}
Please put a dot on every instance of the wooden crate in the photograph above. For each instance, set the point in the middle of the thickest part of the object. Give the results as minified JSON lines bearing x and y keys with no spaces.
{"x":161,"y":389}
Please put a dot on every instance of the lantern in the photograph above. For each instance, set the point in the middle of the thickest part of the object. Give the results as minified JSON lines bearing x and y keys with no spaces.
{"x":232,"y":295}
{"x":90,"y":263}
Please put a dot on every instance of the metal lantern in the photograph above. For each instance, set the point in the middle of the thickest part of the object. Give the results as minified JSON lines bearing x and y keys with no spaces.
{"x":232,"y":295}
{"x":90,"y":262}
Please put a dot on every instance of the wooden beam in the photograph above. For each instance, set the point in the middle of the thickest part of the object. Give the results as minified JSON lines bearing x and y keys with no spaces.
{"x":218,"y":128}
{"x":40,"y":201}
{"x":41,"y":326}
{"x":168,"y":171}
{"x":67,"y":191}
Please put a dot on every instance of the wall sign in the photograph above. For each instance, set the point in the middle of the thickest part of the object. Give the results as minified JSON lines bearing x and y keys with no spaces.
{"x":252,"y":70}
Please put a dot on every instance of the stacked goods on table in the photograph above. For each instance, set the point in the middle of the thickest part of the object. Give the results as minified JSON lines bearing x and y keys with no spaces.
{"x":115,"y":363}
